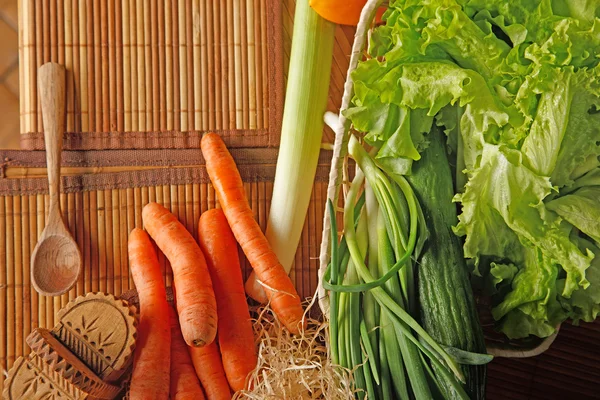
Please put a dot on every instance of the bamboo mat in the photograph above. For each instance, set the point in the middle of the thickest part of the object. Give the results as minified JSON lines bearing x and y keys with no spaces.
{"x":102,"y":205}
{"x":101,"y":209}
{"x":155,"y":73}
{"x":149,"y":107}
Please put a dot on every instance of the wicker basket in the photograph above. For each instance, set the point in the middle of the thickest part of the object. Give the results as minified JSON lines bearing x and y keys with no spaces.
{"x":497,"y":344}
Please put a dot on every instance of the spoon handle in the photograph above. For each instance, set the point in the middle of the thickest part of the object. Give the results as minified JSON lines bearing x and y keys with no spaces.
{"x":51,"y":83}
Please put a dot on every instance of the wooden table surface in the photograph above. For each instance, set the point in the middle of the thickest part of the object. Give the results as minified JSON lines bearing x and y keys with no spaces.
{"x":9,"y":75}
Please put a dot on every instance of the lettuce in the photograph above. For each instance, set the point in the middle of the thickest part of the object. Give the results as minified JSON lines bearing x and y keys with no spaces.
{"x":516,"y":86}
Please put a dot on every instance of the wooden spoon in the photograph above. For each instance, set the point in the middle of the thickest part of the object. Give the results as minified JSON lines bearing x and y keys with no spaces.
{"x":56,"y":259}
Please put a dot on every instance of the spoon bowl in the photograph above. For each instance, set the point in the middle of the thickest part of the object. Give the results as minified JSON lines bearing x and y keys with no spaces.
{"x":56,"y":259}
{"x":56,"y":265}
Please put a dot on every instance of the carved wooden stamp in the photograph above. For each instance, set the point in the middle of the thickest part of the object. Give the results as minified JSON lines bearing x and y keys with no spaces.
{"x":87,"y":355}
{"x":100,"y":330}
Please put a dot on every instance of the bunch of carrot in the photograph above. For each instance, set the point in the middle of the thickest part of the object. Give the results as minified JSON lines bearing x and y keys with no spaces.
{"x":209,"y":293}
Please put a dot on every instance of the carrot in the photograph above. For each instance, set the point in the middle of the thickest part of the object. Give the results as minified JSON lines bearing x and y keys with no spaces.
{"x":194,"y":296}
{"x":236,"y":338}
{"x":209,"y":368}
{"x":150,"y":377}
{"x":184,"y":381}
{"x":228,"y":185}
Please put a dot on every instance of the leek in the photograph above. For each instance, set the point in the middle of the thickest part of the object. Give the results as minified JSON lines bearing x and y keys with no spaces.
{"x":301,"y":133}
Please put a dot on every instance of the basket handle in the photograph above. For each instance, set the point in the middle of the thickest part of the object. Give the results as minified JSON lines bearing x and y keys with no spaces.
{"x":340,"y":146}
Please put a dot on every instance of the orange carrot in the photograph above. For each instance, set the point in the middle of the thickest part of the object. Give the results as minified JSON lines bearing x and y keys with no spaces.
{"x":194,"y":296}
{"x":184,"y":381}
{"x":236,"y":338}
{"x":209,"y":368}
{"x":228,"y":186}
{"x":150,"y":378}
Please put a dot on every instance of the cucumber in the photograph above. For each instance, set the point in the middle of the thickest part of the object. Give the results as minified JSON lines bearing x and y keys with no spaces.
{"x":447,"y":304}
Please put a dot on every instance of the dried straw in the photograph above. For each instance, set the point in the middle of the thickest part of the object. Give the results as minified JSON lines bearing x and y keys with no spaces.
{"x":294,"y":367}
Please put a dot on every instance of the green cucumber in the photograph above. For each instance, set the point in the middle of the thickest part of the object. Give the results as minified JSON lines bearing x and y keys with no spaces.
{"x":447,"y":304}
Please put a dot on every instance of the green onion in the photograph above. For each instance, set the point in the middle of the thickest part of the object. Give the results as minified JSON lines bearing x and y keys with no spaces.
{"x":386,"y":385}
{"x":394,"y":363}
{"x":370,"y":307}
{"x":333,"y":297}
{"x":385,"y":301}
{"x":366,"y":340}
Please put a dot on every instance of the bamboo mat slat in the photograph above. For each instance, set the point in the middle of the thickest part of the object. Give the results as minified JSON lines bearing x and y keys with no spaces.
{"x":153,"y":73}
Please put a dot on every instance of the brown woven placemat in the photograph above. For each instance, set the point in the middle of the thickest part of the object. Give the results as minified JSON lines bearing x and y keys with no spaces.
{"x":101,"y":209}
{"x":156,"y":73}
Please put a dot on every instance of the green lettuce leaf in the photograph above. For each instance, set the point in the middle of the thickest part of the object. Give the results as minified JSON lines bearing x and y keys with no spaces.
{"x":580,"y":209}
{"x":584,"y":304}
{"x":518,"y":324}
{"x":516,"y":87}
{"x":503,"y":189}
{"x":502,"y":273}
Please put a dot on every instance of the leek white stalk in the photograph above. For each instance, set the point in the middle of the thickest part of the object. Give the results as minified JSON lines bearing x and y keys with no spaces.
{"x":301,"y":134}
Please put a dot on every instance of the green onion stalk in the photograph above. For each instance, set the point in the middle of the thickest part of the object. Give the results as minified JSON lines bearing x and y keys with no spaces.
{"x":371,"y":290}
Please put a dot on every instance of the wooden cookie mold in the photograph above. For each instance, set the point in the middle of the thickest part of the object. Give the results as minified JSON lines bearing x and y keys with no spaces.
{"x":85,"y":356}
{"x":101,"y":331}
